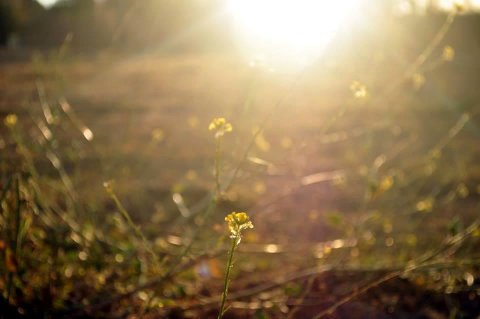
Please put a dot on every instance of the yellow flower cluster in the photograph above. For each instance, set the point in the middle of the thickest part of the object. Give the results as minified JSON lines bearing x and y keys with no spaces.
{"x":220,"y":126}
{"x":237,"y":222}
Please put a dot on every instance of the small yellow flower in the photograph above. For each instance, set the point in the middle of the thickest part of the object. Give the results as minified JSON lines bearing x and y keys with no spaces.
{"x":242,"y":218}
{"x":386,"y":183}
{"x":108,"y":185}
{"x":220,"y":126}
{"x":157,"y":135}
{"x":216,"y":123}
{"x":10,"y":120}
{"x":237,"y":222}
{"x":425,"y":205}
{"x":359,"y":90}
{"x":448,"y":53}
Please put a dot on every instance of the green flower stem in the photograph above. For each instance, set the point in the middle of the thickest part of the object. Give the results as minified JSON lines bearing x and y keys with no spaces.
{"x":227,"y":274}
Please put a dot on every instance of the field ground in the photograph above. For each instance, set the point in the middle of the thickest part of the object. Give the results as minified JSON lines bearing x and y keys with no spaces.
{"x":360,"y":186}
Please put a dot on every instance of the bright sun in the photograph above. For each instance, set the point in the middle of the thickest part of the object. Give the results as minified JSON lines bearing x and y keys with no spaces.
{"x":293,"y":29}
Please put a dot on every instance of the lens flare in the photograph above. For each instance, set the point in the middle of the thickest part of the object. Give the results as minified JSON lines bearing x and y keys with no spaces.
{"x":294,"y":29}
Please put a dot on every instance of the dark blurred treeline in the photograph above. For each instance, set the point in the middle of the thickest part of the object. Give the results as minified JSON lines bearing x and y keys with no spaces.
{"x":119,"y":24}
{"x":15,"y":16}
{"x":176,"y":25}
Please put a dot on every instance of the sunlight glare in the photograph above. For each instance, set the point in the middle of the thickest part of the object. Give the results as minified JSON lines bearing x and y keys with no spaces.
{"x":47,"y":3}
{"x":296,"y":29}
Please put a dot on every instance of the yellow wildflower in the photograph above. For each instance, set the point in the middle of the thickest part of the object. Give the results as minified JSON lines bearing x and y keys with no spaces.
{"x":10,"y":120}
{"x":359,"y":90}
{"x":386,"y":183}
{"x":157,"y":135}
{"x":108,"y":185}
{"x":448,"y":53}
{"x":425,"y":205}
{"x":237,"y":222}
{"x":220,"y":126}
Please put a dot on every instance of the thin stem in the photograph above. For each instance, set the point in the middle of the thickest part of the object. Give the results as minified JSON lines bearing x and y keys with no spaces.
{"x":217,"y":167}
{"x":135,"y":228}
{"x":227,"y":275}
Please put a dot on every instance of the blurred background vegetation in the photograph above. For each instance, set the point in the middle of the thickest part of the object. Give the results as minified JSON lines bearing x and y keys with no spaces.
{"x":360,"y":169}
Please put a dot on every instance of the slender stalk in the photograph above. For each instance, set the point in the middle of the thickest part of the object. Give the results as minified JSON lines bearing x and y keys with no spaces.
{"x":136,"y":229}
{"x":217,"y":167}
{"x":227,"y":275}
{"x":14,"y":236}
